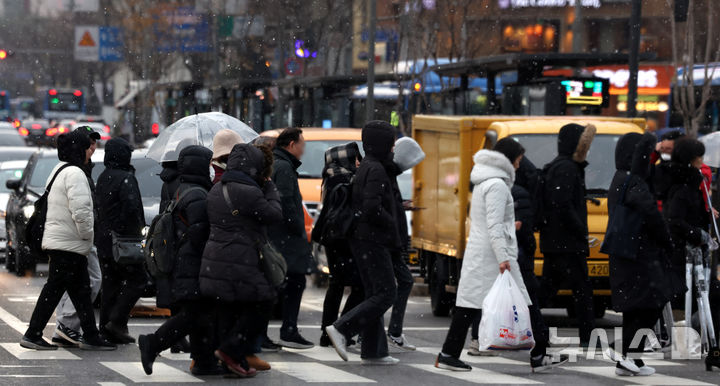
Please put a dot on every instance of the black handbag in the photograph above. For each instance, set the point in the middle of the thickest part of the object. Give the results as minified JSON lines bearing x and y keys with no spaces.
{"x":272,"y":262}
{"x":622,"y":237}
{"x":127,"y":250}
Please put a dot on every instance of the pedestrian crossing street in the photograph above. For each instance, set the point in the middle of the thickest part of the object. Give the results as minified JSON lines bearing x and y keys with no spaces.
{"x":322,"y":365}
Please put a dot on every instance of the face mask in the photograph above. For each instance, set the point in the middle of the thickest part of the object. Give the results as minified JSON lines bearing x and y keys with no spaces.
{"x":212,"y":173}
{"x":665,"y":156}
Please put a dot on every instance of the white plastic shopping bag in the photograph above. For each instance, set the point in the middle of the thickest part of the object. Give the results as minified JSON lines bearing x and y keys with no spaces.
{"x":505,"y":323}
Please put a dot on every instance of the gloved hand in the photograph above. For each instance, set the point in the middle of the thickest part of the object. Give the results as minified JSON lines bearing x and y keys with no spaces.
{"x":708,"y":240}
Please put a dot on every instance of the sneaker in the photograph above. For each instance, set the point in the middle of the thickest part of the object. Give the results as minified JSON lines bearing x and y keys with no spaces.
{"x":324,"y":340}
{"x":241,"y":369}
{"x":118,"y":334}
{"x":96,"y":343}
{"x":450,"y":363}
{"x":258,"y":364}
{"x":181,"y":346}
{"x":626,"y":368}
{"x":400,"y":342}
{"x":37,"y":344}
{"x":384,"y":361}
{"x":547,"y":362}
{"x":474,"y":350}
{"x":295,"y":341}
{"x":62,"y":342}
{"x":645,"y":371}
{"x":147,"y":354}
{"x":268,"y":345}
{"x":68,"y":334}
{"x":338,"y":341}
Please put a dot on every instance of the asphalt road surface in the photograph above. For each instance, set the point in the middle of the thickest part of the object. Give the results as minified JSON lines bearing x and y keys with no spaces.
{"x":320,"y":365}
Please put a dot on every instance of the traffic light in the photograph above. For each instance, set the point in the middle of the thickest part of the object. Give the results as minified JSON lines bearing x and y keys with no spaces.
{"x":4,"y":54}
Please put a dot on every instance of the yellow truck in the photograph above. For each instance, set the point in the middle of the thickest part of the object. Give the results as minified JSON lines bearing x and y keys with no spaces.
{"x":442,"y":188}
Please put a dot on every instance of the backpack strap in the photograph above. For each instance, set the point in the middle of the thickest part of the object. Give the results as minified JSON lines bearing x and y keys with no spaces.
{"x":179,"y":196}
{"x":52,"y":181}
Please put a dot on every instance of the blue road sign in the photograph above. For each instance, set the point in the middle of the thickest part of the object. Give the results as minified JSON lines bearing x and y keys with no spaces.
{"x":111,"y":44}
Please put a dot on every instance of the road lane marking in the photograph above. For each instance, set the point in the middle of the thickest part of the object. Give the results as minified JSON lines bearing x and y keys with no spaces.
{"x":656,"y":379}
{"x":478,"y":375}
{"x":180,"y":356}
{"x":111,"y":384}
{"x":322,"y":354}
{"x":23,"y":354}
{"x":29,"y":376}
{"x":162,"y":373}
{"x":312,"y":372}
{"x":12,"y":321}
{"x":495,"y":360}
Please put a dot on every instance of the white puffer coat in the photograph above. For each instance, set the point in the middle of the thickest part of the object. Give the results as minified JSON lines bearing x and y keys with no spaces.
{"x":69,"y":224}
{"x":492,"y":230}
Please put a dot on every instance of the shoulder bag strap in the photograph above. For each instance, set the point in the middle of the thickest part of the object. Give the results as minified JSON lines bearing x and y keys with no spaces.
{"x":52,"y":181}
{"x":228,"y":201}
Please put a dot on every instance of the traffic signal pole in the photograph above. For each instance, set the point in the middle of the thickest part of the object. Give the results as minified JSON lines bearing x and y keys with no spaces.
{"x":635,"y":15}
{"x":370,"y":99}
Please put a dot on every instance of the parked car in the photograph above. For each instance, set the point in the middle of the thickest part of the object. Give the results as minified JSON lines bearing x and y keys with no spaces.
{"x":99,"y":127}
{"x":11,"y":137}
{"x":29,"y":187}
{"x":36,"y":132}
{"x":9,"y":170}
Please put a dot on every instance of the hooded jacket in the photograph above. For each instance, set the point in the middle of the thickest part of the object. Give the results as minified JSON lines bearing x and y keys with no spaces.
{"x":644,"y":282}
{"x":230,"y":270}
{"x":374,"y":196}
{"x":120,"y":207}
{"x":524,"y":194}
{"x":492,"y":230}
{"x":289,"y":235}
{"x":564,"y":227}
{"x":170,"y":176}
{"x":69,"y":224}
{"x":192,"y":227}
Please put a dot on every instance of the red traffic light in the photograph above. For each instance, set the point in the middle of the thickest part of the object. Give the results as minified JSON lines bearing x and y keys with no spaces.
{"x":77,"y":93}
{"x":155,"y":128}
{"x":52,"y":91}
{"x":3,"y":54}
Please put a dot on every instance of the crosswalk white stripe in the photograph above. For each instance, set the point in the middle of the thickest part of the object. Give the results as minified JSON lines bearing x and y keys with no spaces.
{"x":29,"y":376}
{"x":312,"y":372}
{"x":162,"y":373}
{"x":478,"y":375}
{"x":323,"y":354}
{"x":111,"y":384}
{"x":496,"y":360}
{"x":12,"y":321}
{"x":25,"y":354}
{"x":656,"y":379}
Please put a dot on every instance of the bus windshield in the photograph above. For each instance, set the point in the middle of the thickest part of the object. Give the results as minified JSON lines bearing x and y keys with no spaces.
{"x":65,"y":101}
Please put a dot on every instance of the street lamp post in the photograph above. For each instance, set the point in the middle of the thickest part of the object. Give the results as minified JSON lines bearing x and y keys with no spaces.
{"x":635,"y":14}
{"x":370,"y":100}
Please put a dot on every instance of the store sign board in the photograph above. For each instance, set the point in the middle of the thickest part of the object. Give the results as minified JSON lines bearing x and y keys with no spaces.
{"x":652,"y":80}
{"x":504,"y":4}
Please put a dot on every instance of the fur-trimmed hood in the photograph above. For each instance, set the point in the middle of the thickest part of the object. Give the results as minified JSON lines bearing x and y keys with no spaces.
{"x":491,"y":164}
{"x":574,"y":141}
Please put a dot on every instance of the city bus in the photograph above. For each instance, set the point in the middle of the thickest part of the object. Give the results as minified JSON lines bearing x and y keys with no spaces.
{"x":60,"y":103}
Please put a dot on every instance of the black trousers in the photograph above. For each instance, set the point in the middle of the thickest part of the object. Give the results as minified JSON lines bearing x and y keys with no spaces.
{"x":240,"y":325}
{"x":292,"y":297}
{"x":67,"y":272}
{"x":634,"y":320}
{"x":196,"y":318}
{"x":122,"y":286}
{"x":376,"y":271}
{"x":343,"y":273}
{"x":461,"y":320}
{"x":405,"y":283}
{"x":571,"y":268}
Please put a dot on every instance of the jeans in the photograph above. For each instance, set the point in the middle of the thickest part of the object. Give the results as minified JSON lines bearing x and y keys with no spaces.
{"x":634,"y":320}
{"x":122,"y":286}
{"x":405,"y":283}
{"x":196,"y":318}
{"x":241,"y":324}
{"x":67,"y":272}
{"x":65,"y":312}
{"x":292,"y":297}
{"x":376,"y":271}
{"x":461,"y":320}
{"x":571,"y":267}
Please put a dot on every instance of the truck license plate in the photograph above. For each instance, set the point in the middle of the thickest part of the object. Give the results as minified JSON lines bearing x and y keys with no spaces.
{"x":598,"y":270}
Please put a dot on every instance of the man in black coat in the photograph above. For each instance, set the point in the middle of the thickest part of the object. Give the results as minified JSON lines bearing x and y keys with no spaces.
{"x":564,"y":229}
{"x":375,"y":238}
{"x":180,"y":290}
{"x":289,"y":236}
{"x":120,"y":211}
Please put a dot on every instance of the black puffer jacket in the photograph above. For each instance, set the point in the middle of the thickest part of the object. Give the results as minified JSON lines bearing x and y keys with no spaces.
{"x":289,"y":235}
{"x":192,"y":227}
{"x":644,"y":282}
{"x":231,"y":269}
{"x":374,"y":190}
{"x":119,"y":203}
{"x":171,"y":181}
{"x":564,"y":229}
{"x":523,"y":192}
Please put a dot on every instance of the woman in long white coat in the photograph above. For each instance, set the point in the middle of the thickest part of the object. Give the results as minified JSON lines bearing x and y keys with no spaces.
{"x":492,"y":246}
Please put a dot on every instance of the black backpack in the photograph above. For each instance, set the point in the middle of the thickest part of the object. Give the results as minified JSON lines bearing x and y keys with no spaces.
{"x":162,"y":241}
{"x":540,"y":194}
{"x":336,"y":218}
{"x":35,"y":228}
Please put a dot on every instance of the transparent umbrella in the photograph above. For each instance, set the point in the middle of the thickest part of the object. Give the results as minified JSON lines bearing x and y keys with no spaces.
{"x":712,"y":149}
{"x":198,"y":129}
